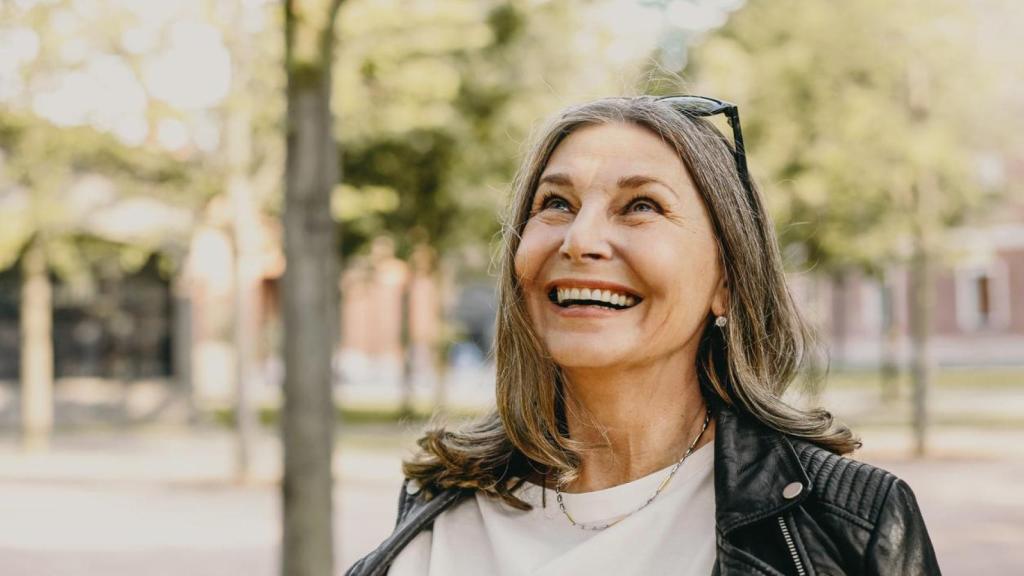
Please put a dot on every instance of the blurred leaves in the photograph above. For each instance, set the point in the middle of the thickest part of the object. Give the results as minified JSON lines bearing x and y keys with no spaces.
{"x":847,"y":106}
{"x":434,"y":100}
{"x":65,"y":183}
{"x":75,"y":176}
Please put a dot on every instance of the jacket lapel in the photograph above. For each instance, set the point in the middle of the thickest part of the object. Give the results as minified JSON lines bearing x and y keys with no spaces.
{"x":753,"y":464}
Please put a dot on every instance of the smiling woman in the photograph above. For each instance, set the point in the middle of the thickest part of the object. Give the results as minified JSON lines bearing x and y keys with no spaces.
{"x":617,"y":210}
{"x":644,"y":315}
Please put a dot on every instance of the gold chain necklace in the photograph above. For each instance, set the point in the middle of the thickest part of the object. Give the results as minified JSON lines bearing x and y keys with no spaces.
{"x":661,"y":487}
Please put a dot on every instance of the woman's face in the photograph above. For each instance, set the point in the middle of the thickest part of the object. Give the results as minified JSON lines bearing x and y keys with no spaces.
{"x":618,"y":262}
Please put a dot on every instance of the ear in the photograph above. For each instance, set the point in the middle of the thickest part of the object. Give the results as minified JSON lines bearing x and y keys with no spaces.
{"x":720,"y":299}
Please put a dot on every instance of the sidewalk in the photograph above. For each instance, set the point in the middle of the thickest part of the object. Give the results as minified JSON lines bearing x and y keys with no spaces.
{"x":164,"y":502}
{"x":159,"y":501}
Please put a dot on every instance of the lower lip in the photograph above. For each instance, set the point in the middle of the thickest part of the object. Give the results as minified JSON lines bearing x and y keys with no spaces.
{"x":586,"y":311}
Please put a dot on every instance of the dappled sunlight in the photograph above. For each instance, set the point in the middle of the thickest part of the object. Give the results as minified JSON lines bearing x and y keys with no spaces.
{"x":175,"y":192}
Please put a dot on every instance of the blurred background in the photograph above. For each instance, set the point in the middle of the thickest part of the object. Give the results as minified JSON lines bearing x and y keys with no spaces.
{"x":142,"y":173}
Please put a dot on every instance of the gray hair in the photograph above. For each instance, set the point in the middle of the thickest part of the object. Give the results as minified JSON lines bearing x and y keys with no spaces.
{"x":748,"y":366}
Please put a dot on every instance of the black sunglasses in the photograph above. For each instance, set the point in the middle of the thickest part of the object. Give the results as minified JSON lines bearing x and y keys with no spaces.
{"x":706,"y":106}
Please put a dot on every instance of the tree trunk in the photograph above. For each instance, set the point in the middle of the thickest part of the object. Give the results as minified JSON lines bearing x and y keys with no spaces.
{"x":182,"y":341}
{"x":310,"y":292}
{"x":920,"y":323}
{"x":238,"y":149}
{"x":889,"y":340}
{"x":921,"y":298}
{"x":814,"y":365}
{"x":36,"y":349}
{"x":924,"y":196}
{"x":840,"y":324}
{"x":446,"y":285}
{"x":405,"y":404}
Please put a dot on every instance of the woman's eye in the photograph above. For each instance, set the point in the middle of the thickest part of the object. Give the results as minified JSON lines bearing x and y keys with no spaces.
{"x":643,"y":205}
{"x":555,"y":203}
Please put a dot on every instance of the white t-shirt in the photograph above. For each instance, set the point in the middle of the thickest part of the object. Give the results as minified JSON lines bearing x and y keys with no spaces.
{"x":675,"y":534}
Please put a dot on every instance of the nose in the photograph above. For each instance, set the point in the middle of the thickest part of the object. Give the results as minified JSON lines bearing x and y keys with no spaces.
{"x":587,"y":237}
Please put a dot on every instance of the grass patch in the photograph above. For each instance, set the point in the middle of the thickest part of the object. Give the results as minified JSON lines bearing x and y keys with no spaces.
{"x":365,"y":428}
{"x":368,"y":415}
{"x":996,"y":377}
{"x":939,"y":421}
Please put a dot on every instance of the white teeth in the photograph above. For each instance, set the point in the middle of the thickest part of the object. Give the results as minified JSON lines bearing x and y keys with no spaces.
{"x":563,"y":294}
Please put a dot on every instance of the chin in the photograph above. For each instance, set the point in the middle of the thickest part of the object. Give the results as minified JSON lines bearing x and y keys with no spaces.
{"x":577,"y":356}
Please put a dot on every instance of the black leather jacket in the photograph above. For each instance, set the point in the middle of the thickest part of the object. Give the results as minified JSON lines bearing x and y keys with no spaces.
{"x":783,"y":507}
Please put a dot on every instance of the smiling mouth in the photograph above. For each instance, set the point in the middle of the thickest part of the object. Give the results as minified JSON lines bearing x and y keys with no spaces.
{"x":607,"y":299}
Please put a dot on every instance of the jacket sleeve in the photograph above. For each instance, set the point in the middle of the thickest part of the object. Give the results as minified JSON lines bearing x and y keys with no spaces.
{"x":900,"y":542}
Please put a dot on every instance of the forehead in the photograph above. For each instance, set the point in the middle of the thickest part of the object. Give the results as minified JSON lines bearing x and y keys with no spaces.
{"x":614,"y":149}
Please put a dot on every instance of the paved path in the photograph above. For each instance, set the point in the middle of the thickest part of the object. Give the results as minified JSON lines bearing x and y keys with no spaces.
{"x":159,"y":502}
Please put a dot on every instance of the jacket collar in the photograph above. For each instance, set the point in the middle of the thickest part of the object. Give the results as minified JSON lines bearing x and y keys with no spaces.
{"x":753,"y":465}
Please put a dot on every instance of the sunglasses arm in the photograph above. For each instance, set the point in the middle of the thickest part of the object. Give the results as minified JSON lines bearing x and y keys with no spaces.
{"x":739,"y":151}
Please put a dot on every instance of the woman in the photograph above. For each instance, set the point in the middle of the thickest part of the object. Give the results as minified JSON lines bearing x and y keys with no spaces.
{"x":645,"y":336}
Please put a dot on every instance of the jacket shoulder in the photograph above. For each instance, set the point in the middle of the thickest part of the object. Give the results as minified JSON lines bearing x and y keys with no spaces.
{"x":853,"y":487}
{"x":878,"y":501}
{"x":417,"y":510}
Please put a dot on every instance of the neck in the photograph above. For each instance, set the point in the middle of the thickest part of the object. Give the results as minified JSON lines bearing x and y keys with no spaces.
{"x":632,"y":421}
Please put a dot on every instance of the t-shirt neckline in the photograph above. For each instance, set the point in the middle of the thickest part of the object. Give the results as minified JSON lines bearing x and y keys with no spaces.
{"x":616,"y":501}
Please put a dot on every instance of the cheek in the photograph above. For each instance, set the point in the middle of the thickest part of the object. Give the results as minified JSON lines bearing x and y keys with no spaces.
{"x":679,"y":270}
{"x":528,"y":262}
{"x":522,"y":265}
{"x":529,"y":256}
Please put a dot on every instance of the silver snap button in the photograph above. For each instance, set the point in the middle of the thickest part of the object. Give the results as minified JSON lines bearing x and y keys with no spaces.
{"x":792,"y":490}
{"x":412,"y":487}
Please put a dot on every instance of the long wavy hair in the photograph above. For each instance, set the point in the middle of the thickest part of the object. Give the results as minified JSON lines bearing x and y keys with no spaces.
{"x":747,"y":366}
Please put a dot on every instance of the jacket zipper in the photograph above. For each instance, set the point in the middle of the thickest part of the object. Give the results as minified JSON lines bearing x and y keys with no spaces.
{"x":792,"y":547}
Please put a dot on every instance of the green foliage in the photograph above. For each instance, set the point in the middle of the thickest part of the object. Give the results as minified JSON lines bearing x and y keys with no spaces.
{"x":432,"y":103}
{"x":434,"y":100}
{"x":415,"y":163}
{"x":67,"y":186}
{"x":849,"y":107}
{"x":45,"y":166}
{"x":37,"y":151}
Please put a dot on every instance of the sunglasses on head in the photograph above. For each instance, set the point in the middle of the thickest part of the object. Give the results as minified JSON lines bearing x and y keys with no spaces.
{"x":701,"y":106}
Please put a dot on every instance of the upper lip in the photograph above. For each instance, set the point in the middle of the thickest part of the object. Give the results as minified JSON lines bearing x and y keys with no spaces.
{"x":585,"y":283}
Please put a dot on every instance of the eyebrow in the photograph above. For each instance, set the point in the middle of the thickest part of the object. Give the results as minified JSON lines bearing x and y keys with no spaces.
{"x":635,"y":181}
{"x":640,"y":180}
{"x":556,"y":179}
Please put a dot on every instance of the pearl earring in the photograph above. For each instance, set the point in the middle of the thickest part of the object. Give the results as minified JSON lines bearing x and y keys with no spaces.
{"x":721,"y":321}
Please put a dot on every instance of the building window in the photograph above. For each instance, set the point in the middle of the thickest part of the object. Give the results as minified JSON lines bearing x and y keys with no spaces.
{"x":983,"y":297}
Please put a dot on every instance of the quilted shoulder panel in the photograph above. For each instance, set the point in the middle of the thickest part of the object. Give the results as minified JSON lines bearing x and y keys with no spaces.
{"x":855,"y":487}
